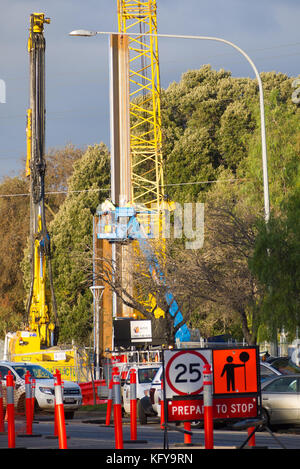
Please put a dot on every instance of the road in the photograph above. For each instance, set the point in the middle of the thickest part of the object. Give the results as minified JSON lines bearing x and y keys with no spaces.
{"x":86,"y":432}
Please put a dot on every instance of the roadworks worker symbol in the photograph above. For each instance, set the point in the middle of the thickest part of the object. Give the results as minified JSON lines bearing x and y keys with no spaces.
{"x":235,"y":371}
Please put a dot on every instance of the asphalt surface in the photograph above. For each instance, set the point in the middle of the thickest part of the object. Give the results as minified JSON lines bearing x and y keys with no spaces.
{"x":88,"y":431}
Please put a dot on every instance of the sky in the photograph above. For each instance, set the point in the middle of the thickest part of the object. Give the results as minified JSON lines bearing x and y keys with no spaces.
{"x":77,"y":68}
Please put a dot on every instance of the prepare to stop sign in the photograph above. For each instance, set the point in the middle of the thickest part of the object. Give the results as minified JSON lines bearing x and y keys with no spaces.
{"x":184,"y":371}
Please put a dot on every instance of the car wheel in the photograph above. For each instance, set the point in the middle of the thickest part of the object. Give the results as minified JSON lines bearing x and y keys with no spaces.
{"x":266,"y":419}
{"x":142,"y":417}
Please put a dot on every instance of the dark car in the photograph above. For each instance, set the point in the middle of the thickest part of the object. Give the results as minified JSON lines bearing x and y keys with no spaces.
{"x":284,"y":365}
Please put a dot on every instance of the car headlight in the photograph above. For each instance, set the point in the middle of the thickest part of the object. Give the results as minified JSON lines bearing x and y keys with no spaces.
{"x":46,"y":390}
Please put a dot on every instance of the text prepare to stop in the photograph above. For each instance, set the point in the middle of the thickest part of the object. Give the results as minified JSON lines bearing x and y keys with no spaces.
{"x":193,"y":409}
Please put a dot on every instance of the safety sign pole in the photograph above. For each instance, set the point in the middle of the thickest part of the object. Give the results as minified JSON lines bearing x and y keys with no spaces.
{"x":28,"y":405}
{"x":133,"y":413}
{"x":32,"y":396}
{"x":61,"y":426}
{"x":251,"y":435}
{"x":187,"y":436}
{"x":162,"y":406}
{"x":10,"y":409}
{"x":2,"y":429}
{"x":208,"y":407}
{"x":117,"y":411}
{"x":109,"y":404}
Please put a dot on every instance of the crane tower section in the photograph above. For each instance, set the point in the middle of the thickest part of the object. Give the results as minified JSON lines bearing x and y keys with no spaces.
{"x":139,"y":19}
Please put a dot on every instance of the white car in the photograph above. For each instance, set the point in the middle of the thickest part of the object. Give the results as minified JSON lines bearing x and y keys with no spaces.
{"x":44,"y":388}
{"x":144,"y":378}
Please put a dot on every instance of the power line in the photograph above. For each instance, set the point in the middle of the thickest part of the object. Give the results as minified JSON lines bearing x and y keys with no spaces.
{"x":26,"y":194}
{"x":108,"y":188}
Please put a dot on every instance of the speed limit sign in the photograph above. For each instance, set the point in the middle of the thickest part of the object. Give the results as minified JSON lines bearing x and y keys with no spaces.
{"x":184,"y":371}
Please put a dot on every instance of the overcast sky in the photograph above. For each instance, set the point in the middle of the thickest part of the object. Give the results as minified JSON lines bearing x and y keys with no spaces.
{"x":77,"y":88}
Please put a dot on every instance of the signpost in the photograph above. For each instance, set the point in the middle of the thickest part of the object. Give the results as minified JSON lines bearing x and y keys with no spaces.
{"x":236,"y":383}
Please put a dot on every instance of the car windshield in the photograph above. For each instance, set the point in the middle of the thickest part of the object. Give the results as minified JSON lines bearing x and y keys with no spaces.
{"x":35,"y":371}
{"x":146,"y":375}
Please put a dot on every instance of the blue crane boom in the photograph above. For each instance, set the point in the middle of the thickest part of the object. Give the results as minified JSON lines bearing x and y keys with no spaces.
{"x":120,"y":224}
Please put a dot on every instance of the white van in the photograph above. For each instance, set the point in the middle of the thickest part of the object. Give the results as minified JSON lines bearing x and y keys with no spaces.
{"x":144,"y":376}
{"x":44,"y":388}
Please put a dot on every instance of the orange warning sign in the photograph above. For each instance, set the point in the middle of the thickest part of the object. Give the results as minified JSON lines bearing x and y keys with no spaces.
{"x":235,"y":371}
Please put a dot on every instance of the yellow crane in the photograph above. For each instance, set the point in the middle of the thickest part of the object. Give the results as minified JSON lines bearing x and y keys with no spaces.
{"x":147,"y":181}
{"x":41,"y":305}
{"x":38,"y":342}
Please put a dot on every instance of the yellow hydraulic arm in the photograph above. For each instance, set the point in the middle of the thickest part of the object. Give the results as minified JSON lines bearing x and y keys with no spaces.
{"x":41,"y":306}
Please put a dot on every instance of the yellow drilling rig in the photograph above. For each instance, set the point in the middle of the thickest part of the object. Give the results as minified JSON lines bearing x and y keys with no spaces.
{"x":38,"y":342}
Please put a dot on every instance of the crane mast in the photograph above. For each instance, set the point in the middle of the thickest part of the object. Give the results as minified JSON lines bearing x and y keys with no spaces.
{"x":147,"y":183}
{"x":41,"y":305}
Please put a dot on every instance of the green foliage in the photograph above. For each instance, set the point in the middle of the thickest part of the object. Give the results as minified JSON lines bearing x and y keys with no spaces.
{"x":276,"y":263}
{"x":207,"y":119}
{"x":72,"y":233}
{"x":212,"y":132}
{"x":13,"y":233}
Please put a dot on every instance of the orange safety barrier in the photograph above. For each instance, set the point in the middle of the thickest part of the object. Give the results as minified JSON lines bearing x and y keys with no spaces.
{"x":117,"y":411}
{"x":208,"y":407}
{"x":109,"y":404}
{"x":1,"y":407}
{"x":133,"y":404}
{"x":32,"y":396}
{"x":10,"y":410}
{"x":61,"y":426}
{"x":87,"y":392}
{"x":28,"y":408}
{"x":187,"y":436}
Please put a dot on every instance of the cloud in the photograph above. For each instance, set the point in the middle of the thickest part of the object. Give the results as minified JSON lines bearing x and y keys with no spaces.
{"x":77,"y":94}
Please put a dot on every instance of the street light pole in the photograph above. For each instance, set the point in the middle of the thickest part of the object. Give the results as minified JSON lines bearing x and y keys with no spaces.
{"x":82,"y":32}
{"x":97,"y":291}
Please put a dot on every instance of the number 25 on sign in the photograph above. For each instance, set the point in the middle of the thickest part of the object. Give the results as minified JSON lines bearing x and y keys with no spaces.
{"x":184,"y":371}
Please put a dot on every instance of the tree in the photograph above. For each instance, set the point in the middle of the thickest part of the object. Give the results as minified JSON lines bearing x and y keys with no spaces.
{"x":71,"y":233}
{"x":207,"y":119}
{"x":59,"y":167}
{"x":276,"y":263}
{"x":215,"y":283}
{"x":14,"y":212}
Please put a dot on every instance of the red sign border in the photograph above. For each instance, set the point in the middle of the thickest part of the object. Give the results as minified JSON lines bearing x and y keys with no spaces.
{"x":167,"y":375}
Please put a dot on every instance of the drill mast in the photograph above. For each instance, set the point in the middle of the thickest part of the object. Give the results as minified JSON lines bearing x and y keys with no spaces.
{"x":41,"y":305}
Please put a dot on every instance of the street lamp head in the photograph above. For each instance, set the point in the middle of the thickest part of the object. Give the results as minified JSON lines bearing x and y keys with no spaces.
{"x":82,"y":32}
